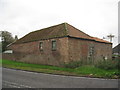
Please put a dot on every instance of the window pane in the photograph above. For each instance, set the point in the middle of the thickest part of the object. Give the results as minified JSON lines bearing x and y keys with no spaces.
{"x":41,"y":45}
{"x":53,"y":45}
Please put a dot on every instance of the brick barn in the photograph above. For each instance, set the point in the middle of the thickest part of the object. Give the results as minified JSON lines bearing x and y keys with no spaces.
{"x":60,"y":44}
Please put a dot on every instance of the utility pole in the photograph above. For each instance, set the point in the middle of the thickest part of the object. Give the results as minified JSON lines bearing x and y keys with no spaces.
{"x":110,"y":37}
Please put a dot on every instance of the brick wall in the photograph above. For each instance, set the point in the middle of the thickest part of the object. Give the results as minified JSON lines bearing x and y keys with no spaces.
{"x":103,"y":51}
{"x":31,"y":53}
{"x":80,"y":50}
{"x":68,"y":49}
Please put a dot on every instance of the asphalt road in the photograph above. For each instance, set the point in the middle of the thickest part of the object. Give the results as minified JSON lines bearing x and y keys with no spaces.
{"x":23,"y":79}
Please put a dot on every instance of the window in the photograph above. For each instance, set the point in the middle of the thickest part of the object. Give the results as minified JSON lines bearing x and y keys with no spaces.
{"x":91,"y":55}
{"x":91,"y":51}
{"x":41,"y":46}
{"x":54,"y":45}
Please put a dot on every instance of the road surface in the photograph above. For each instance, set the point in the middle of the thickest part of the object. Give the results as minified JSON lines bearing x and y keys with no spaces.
{"x":23,"y":79}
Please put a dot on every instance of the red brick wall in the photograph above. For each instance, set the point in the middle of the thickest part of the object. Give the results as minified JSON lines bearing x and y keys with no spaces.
{"x":30,"y":52}
{"x":103,"y":50}
{"x":68,"y":49}
{"x":79,"y":50}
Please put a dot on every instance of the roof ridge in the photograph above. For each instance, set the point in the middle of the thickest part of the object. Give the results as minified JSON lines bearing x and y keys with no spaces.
{"x":47,"y":27}
{"x":79,"y":31}
{"x":55,"y":31}
{"x":67,"y":31}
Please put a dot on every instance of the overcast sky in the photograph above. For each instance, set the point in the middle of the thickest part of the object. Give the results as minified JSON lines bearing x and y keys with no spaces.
{"x":97,"y":18}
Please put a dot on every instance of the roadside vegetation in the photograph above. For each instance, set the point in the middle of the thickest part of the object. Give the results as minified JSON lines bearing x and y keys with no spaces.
{"x":101,"y":70}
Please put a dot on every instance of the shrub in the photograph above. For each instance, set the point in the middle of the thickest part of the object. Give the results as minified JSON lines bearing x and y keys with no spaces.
{"x":108,"y":75}
{"x":108,"y":64}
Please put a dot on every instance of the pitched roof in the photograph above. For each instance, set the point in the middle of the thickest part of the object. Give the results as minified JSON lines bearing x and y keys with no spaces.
{"x":100,"y":40}
{"x":61,"y":30}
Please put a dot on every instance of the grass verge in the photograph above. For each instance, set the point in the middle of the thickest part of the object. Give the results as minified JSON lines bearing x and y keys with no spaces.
{"x":87,"y":70}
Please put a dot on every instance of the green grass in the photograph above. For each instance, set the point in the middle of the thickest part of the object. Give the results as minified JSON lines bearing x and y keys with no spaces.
{"x":97,"y":72}
{"x":87,"y":70}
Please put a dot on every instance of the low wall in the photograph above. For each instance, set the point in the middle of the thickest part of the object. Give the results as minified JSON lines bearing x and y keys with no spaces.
{"x":8,"y":56}
{"x":32,"y":58}
{"x":13,"y":56}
